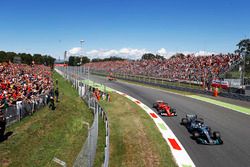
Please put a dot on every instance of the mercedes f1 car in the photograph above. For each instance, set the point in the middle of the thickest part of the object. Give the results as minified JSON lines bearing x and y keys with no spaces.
{"x":200,"y":131}
{"x":164,"y":109}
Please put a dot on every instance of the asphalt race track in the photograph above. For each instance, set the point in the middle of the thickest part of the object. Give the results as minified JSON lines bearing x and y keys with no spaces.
{"x":233,"y":126}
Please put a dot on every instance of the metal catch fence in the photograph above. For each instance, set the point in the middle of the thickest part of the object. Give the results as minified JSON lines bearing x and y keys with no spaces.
{"x":22,"y":109}
{"x":87,"y":154}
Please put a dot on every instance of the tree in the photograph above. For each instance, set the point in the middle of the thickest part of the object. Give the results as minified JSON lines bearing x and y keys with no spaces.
{"x":2,"y":56}
{"x":244,"y":47}
{"x":38,"y":58}
{"x":244,"y":51}
{"x":10,"y":56}
{"x":112,"y":58}
{"x":71,"y":60}
{"x":85,"y":60}
{"x":96,"y":60}
{"x":159,"y":57}
{"x":178,"y":55}
{"x":27,"y":58}
{"x":151,"y":56}
{"x":148,"y":56}
{"x":77,"y":61}
{"x":48,"y":60}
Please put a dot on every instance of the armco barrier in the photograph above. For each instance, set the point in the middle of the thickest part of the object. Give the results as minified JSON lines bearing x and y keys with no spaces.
{"x":86,"y":156}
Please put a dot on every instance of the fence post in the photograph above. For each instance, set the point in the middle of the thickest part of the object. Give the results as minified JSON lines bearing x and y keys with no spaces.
{"x":89,"y":144}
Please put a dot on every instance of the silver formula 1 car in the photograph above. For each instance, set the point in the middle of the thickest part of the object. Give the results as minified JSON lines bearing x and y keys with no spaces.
{"x":200,"y":131}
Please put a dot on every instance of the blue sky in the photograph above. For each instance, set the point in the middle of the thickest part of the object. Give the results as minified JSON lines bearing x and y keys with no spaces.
{"x":123,"y":27}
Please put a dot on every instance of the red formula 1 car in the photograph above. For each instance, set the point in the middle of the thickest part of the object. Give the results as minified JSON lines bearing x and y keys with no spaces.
{"x":164,"y":109}
{"x":110,"y":77}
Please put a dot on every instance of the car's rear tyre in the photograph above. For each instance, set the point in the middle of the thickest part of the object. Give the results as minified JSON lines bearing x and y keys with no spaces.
{"x":161,"y":111}
{"x":184,"y":121}
{"x":173,"y":110}
{"x":154,"y":105}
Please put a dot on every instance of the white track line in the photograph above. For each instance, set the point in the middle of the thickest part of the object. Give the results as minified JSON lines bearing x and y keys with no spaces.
{"x":179,"y":153}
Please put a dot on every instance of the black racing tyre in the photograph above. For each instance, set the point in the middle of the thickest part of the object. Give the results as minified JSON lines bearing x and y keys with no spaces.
{"x":216,"y":135}
{"x":173,"y":110}
{"x":154,"y":105}
{"x":196,"y":134}
{"x":161,"y":111}
{"x":184,"y":121}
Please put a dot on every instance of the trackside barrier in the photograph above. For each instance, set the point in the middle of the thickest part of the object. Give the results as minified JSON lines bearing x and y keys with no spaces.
{"x":25,"y":108}
{"x":86,"y":156}
{"x":179,"y":153}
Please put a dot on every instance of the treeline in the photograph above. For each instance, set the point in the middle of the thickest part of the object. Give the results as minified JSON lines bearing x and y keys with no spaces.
{"x":26,"y":58}
{"x":151,"y":56}
{"x":112,"y":58}
{"x":77,"y":61}
{"x":146,"y":56}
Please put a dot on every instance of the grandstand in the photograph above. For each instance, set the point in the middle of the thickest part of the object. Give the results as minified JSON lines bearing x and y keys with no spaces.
{"x":186,"y":68}
{"x":20,"y":82}
{"x":23,"y":89}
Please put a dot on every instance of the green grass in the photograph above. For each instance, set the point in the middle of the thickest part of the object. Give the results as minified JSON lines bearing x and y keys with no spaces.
{"x":101,"y":87}
{"x":245,"y":110}
{"x":134,"y":138}
{"x":37,"y":139}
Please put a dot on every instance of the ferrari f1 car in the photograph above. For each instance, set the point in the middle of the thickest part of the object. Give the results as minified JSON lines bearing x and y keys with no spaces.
{"x":110,"y":77}
{"x":164,"y":109}
{"x":200,"y":131}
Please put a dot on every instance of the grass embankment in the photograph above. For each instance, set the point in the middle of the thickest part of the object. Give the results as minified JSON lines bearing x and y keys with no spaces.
{"x":37,"y":139}
{"x":134,"y":138}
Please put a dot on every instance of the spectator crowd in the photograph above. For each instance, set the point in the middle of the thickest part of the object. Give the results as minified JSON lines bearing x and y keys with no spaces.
{"x":20,"y":82}
{"x":189,"y":67}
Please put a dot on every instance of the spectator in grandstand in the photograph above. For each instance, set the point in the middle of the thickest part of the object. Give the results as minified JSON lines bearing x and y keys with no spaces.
{"x":19,"y":82}
{"x":189,"y":68}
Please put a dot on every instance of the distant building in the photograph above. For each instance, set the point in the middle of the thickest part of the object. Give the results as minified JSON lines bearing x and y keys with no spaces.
{"x":17,"y":60}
